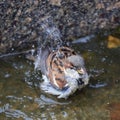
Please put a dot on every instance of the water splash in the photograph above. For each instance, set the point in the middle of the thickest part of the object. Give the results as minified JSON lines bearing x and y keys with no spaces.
{"x":84,"y":39}
{"x":50,"y":33}
{"x":12,"y":113}
{"x":98,"y":85}
{"x":37,"y":61}
{"x":49,"y":101}
{"x":51,"y":38}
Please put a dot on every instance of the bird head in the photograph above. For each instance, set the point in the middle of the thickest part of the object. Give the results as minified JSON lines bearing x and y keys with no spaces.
{"x":76,"y":71}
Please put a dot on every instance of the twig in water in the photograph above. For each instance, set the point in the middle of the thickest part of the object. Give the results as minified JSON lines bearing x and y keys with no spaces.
{"x":17,"y":53}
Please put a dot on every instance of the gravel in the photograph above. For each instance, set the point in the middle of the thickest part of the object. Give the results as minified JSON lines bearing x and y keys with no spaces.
{"x":20,"y":20}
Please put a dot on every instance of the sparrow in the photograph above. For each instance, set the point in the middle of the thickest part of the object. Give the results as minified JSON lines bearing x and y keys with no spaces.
{"x":63,"y":71}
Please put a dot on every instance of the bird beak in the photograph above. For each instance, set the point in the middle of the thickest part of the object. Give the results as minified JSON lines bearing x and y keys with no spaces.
{"x":81,"y":71}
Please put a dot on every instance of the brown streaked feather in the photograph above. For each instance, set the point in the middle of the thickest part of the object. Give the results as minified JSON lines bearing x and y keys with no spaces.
{"x":56,"y":65}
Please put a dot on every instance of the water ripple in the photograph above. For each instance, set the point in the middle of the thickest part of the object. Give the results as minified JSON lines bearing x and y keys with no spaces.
{"x":9,"y":112}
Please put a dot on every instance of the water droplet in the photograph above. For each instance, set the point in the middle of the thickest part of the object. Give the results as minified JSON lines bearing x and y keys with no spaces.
{"x":64,"y":114}
{"x":7,"y":75}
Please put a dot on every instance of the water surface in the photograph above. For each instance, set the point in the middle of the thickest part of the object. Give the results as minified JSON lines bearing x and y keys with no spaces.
{"x":21,"y":98}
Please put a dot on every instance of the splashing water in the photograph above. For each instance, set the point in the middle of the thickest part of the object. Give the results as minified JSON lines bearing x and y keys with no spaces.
{"x":47,"y":101}
{"x":13,"y":113}
{"x":37,"y":61}
{"x":51,"y":39}
{"x":50,"y":33}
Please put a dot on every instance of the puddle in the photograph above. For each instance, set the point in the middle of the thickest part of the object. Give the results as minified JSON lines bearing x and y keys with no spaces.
{"x":21,"y":98}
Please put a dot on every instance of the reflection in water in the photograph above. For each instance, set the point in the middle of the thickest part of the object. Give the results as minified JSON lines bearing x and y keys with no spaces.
{"x":21,"y":98}
{"x":98,"y":85}
{"x":46,"y":100}
{"x":9,"y":112}
{"x":114,"y":111}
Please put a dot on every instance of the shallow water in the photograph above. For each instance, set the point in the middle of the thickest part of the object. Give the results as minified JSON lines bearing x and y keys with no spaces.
{"x":21,"y":98}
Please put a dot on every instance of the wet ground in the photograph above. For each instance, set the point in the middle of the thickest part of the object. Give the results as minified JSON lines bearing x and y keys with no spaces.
{"x":21,"y":98}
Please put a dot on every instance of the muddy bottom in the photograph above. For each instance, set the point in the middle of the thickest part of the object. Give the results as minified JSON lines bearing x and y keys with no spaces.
{"x":21,"y":98}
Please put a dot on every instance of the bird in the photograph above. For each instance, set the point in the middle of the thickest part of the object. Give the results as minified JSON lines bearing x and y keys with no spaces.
{"x":63,"y":71}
